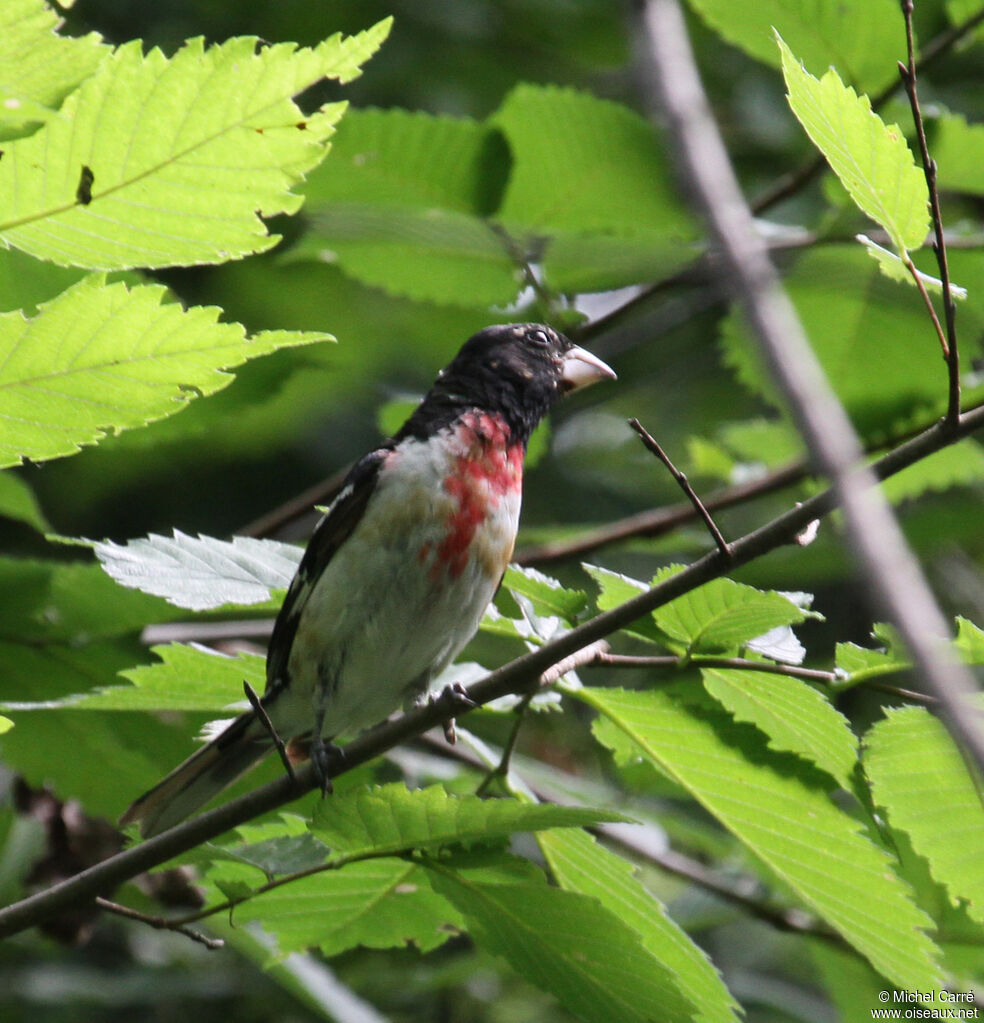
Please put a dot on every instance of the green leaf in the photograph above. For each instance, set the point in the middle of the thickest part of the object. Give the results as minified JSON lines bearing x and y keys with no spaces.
{"x":958,"y":465}
{"x":546,"y":594}
{"x":186,"y":678}
{"x":568,"y":944}
{"x":875,"y":343}
{"x":872,"y":161}
{"x":400,"y":203}
{"x":428,"y":255}
{"x":17,"y":501}
{"x":103,"y":358}
{"x":5,"y":724}
{"x":617,"y":589}
{"x":920,"y":777}
{"x":958,"y":149}
{"x":377,"y":903}
{"x":40,"y":67}
{"x":722,"y":614}
{"x":862,"y":40}
{"x":794,"y":716}
{"x":201,"y":573}
{"x":155,"y":162}
{"x":969,"y":641}
{"x":783,"y":817}
{"x":393,"y":819}
{"x":581,"y":864}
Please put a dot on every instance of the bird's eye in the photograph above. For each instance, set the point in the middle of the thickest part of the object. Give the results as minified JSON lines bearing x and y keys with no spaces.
{"x":539,"y":338}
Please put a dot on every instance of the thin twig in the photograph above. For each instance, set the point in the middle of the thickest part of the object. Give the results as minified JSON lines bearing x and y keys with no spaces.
{"x":828,"y":678}
{"x":159,"y":923}
{"x":891,"y":572}
{"x":739,"y":663}
{"x":951,"y":353}
{"x":501,"y":769}
{"x":651,"y":443}
{"x":257,"y":704}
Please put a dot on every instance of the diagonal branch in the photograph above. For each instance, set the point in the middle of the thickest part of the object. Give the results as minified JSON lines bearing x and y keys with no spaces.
{"x":515,"y":677}
{"x":891,"y":572}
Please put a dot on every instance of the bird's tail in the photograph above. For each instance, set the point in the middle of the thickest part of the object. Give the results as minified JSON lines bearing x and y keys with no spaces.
{"x":203,"y":775}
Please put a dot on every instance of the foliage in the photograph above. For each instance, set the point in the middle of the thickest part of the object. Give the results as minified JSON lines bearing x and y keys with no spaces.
{"x":765,"y":769}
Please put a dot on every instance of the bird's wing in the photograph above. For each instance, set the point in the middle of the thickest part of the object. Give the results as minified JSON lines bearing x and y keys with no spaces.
{"x":331,"y":532}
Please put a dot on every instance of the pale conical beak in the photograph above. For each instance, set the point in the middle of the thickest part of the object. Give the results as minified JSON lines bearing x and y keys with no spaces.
{"x":582,"y":368}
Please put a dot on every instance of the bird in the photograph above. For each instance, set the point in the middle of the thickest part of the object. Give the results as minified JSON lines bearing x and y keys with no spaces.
{"x":400,"y":570}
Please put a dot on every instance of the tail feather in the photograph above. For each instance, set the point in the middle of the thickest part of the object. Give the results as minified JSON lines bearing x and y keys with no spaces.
{"x":203,"y":775}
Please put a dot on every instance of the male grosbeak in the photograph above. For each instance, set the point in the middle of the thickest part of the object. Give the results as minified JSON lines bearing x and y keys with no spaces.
{"x":400,"y":570}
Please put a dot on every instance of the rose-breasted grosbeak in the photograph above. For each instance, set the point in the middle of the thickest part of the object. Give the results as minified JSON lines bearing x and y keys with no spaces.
{"x":400,"y":570}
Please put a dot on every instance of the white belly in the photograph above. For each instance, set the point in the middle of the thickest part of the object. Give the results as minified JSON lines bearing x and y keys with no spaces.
{"x":402,"y":595}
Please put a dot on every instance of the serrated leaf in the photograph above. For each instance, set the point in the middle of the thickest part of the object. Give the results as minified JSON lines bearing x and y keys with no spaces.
{"x":581,"y":864}
{"x":154,"y":162}
{"x":377,"y":903}
{"x":958,"y":465}
{"x":568,"y":944}
{"x":547,"y":595}
{"x":862,"y":40}
{"x":969,"y":641}
{"x":920,"y":777}
{"x":722,"y":614}
{"x":40,"y":67}
{"x":101,"y":358}
{"x":393,"y":819}
{"x":789,"y":822}
{"x":17,"y":502}
{"x":608,"y":170}
{"x":281,"y":854}
{"x":428,"y":255}
{"x":616,"y":588}
{"x":201,"y":573}
{"x":872,"y":160}
{"x":794,"y":716}
{"x":186,"y":678}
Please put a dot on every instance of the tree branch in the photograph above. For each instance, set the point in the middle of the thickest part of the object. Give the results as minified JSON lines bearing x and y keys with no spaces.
{"x":515,"y":677}
{"x":891,"y":573}
{"x":950,"y":351}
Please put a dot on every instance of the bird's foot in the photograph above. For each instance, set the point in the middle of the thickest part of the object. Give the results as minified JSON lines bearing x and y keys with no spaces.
{"x":453,"y":697}
{"x":324,"y":756}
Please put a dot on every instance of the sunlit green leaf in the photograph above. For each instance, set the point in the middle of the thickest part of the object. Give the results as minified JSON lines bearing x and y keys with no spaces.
{"x":102,"y":358}
{"x":871,"y":159}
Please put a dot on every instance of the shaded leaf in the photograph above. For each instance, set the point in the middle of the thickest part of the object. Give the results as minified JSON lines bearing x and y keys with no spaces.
{"x":794,"y":716}
{"x":393,"y":819}
{"x":919,"y":776}
{"x":580,"y":863}
{"x":547,"y":595}
{"x":203,"y":572}
{"x":568,"y":944}
{"x":787,"y":821}
{"x":186,"y":678}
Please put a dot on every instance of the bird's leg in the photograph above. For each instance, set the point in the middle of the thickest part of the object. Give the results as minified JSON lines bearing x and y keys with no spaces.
{"x":257,"y":704}
{"x":322,"y":753}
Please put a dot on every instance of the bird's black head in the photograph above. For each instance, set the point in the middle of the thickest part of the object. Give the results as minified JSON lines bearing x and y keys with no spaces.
{"x":516,"y":370}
